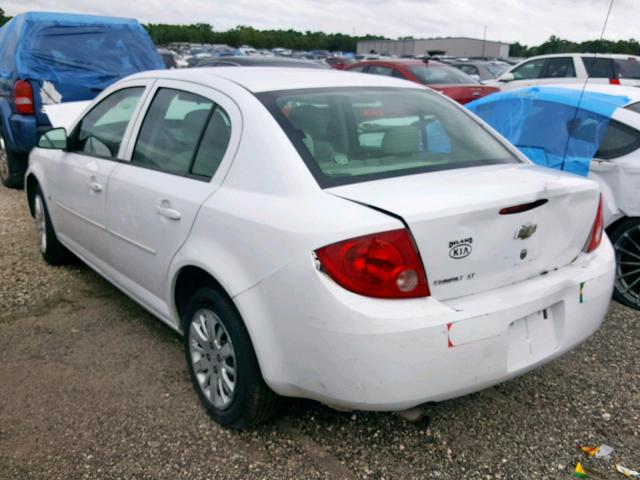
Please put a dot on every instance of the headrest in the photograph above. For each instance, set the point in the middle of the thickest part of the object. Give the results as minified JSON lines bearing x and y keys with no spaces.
{"x":311,"y":120}
{"x":400,"y":141}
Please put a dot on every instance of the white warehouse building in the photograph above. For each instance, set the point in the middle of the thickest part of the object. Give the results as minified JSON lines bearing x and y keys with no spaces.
{"x":452,"y":46}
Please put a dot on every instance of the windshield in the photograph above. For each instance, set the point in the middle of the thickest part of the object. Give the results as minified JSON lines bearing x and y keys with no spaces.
{"x":431,"y":75}
{"x":497,"y":69}
{"x":349,"y":135}
{"x":628,"y":68}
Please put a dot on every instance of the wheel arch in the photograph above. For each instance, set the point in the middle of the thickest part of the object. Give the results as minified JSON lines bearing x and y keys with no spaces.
{"x":188,"y":279}
{"x":612,"y":228}
{"x":31,"y":183}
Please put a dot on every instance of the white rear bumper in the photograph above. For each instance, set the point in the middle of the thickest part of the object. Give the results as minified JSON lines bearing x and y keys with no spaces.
{"x":316,"y":340}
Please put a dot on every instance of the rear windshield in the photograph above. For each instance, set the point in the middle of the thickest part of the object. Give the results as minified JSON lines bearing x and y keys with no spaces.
{"x":441,"y":75}
{"x":350,"y":135}
{"x":66,"y":53}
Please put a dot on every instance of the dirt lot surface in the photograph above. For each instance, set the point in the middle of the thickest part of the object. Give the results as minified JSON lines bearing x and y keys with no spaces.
{"x":92,"y":386}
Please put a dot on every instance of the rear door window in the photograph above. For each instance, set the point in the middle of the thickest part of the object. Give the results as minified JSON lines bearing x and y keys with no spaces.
{"x":213,"y":145}
{"x":559,"y":68}
{"x":599,"y":67}
{"x":182,"y":133}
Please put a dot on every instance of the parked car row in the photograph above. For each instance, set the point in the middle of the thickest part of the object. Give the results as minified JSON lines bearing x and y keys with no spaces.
{"x":355,"y":239}
{"x":189,"y":55}
{"x":438,"y":76}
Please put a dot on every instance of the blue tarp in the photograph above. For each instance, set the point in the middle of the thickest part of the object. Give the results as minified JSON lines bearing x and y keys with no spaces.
{"x":82,"y":52}
{"x":555,"y":127}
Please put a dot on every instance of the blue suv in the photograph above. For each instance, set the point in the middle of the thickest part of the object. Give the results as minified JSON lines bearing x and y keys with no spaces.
{"x":48,"y":58}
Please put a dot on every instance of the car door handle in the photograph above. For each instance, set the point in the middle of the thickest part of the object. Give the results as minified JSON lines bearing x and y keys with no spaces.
{"x":95,"y":187}
{"x":170,"y":213}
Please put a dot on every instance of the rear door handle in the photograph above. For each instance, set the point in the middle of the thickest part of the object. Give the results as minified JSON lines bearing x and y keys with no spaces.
{"x":95,"y":187}
{"x":170,"y":213}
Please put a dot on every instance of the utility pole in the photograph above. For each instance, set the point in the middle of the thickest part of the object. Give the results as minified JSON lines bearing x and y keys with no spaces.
{"x":484,"y":40}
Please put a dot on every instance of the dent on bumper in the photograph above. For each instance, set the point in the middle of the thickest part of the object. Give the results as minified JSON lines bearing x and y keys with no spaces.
{"x":316,"y":340}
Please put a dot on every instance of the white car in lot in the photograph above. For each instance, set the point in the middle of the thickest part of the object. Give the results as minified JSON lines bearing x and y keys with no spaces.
{"x":349,"y":238}
{"x":559,"y":68}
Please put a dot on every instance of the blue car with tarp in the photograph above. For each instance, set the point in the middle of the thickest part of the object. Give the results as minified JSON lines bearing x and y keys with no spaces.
{"x":554,"y":127}
{"x":49,"y":58}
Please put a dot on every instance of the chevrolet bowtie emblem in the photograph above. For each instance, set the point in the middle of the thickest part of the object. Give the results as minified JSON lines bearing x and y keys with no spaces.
{"x":525,"y":231}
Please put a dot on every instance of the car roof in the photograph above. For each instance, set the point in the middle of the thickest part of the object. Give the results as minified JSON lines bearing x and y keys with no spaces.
{"x":266,"y":61}
{"x":480,"y":62}
{"x":620,"y":56}
{"x":265,"y":79}
{"x":633,"y":93}
{"x":404,"y":61}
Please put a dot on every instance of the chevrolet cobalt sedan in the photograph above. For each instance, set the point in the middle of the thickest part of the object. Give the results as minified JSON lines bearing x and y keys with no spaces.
{"x":354,"y":239}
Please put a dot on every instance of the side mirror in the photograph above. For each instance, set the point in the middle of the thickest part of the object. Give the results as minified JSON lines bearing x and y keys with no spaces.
{"x":475,"y":76}
{"x":54,"y":139}
{"x":506,"y":77}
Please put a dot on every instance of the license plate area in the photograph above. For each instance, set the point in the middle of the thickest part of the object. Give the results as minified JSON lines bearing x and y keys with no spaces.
{"x":533,"y":337}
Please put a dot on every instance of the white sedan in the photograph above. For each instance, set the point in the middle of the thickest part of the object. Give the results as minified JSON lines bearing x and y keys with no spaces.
{"x":558,"y":68}
{"x":355,"y":239}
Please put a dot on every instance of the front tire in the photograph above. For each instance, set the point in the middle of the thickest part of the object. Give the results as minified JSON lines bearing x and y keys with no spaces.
{"x":626,"y":243}
{"x":222,"y":362}
{"x":53,"y":252}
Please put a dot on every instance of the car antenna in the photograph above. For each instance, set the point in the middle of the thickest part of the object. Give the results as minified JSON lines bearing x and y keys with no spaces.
{"x":584,"y":87}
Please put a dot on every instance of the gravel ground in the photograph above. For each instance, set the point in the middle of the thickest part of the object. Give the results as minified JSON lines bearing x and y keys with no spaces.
{"x":91,"y":386}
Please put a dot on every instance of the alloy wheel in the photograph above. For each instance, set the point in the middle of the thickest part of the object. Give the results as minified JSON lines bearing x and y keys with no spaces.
{"x":627,"y":248}
{"x":41,"y":222}
{"x":213,"y":358}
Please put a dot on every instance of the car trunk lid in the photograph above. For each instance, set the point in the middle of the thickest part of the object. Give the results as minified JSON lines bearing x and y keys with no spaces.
{"x":466,"y":244}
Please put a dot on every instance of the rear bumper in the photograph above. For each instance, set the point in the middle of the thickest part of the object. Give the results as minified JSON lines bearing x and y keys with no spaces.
{"x":314,"y":339}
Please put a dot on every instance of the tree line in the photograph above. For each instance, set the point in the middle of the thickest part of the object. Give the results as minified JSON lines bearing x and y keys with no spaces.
{"x":559,"y":45}
{"x":162,"y":34}
{"x":244,"y":35}
{"x":296,"y":40}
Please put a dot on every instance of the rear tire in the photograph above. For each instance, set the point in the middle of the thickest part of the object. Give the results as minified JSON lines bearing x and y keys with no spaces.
{"x":53,"y":252}
{"x":626,"y":243}
{"x":222,"y":363}
{"x":12,"y":166}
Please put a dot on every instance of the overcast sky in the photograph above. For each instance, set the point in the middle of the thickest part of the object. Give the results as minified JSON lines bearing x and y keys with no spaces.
{"x":527,"y":21}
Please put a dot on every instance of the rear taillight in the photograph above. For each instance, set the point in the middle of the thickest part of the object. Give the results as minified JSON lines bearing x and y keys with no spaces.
{"x":614,"y":81}
{"x":23,"y":97}
{"x":382,"y":265}
{"x":595,"y":237}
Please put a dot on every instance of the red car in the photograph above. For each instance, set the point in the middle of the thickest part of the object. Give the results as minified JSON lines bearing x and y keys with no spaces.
{"x":448,"y":80}
{"x":339,"y":63}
